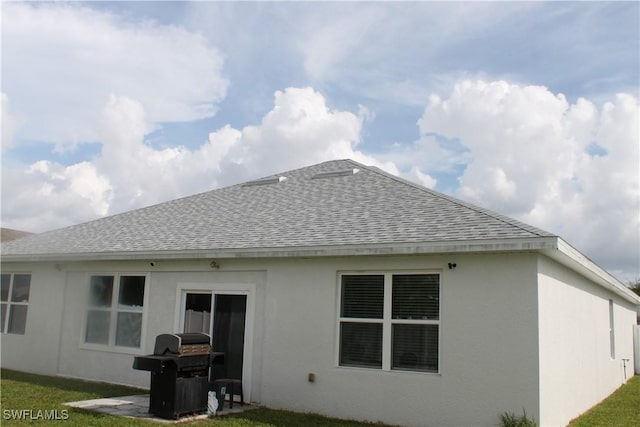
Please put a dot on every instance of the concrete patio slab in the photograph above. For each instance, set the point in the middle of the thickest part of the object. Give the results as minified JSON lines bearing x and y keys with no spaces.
{"x":137,"y":406}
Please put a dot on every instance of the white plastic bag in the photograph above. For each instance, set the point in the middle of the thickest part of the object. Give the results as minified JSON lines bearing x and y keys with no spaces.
{"x":212,"y":403}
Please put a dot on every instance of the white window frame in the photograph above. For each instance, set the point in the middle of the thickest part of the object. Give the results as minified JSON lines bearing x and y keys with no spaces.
{"x":387,"y":321}
{"x":248,"y":289}
{"x":9,"y":303}
{"x":114,"y":310}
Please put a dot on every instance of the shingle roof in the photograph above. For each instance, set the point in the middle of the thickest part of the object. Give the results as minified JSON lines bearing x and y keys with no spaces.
{"x":8,"y":234}
{"x":304,"y":210}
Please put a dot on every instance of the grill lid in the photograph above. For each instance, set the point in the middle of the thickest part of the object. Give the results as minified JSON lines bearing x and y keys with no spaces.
{"x":188,"y":344}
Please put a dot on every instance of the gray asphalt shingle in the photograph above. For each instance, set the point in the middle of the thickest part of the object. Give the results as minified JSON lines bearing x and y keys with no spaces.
{"x":368,"y":207}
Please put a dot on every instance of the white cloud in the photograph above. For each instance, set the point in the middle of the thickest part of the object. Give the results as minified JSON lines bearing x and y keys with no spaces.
{"x":424,"y":179}
{"x":8,"y":122}
{"x":527,"y":153}
{"x":331,"y":42}
{"x":530,"y":157}
{"x":511,"y":131}
{"x":48,"y":195}
{"x":61,"y":62}
{"x":299,"y":130}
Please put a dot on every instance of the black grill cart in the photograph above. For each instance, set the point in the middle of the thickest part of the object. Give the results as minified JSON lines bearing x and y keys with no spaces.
{"x":179,"y":374}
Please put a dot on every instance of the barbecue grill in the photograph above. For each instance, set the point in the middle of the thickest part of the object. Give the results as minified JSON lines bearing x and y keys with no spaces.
{"x":179,"y":369}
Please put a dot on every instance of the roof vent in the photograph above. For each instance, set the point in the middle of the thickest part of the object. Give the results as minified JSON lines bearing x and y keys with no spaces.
{"x":265,"y":181}
{"x":333,"y":174}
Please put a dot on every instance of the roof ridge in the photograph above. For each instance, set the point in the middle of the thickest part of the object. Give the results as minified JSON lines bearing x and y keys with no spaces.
{"x":315,"y":165}
{"x":495,"y":215}
{"x":246,"y":218}
{"x":181,"y":198}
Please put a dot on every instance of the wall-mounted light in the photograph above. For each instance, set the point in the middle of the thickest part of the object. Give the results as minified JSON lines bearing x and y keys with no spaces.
{"x":452,"y":265}
{"x":214,"y":264}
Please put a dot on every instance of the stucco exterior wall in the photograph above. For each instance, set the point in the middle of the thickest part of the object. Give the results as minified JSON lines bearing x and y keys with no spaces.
{"x":488,"y":334}
{"x":488,"y":346}
{"x":37,"y":350}
{"x":576,"y":367}
{"x":161,"y":314}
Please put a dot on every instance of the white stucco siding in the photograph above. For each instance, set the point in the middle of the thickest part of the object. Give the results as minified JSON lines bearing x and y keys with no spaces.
{"x":85,"y":361}
{"x":488,"y":335}
{"x":37,"y":350}
{"x":636,"y":344}
{"x":576,"y":367}
{"x":162,"y":306}
{"x":488,"y":346}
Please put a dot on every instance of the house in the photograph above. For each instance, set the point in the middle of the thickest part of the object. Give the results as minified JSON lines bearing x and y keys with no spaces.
{"x":8,"y":234}
{"x":336,"y":288}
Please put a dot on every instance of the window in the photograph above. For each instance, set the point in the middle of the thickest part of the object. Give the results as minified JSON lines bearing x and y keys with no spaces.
{"x":115,"y":310}
{"x":197,"y":312}
{"x":390,"y":321}
{"x":361,"y":321}
{"x":14,"y":300}
{"x":612,"y":332}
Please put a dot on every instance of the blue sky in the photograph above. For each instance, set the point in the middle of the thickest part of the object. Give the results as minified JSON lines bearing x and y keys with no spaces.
{"x":529,"y":109}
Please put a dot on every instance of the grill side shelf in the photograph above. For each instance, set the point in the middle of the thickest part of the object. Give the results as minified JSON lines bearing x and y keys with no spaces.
{"x":152,"y":363}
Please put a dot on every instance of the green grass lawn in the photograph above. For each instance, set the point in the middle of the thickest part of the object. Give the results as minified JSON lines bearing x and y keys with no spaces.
{"x":20,"y":391}
{"x":621,"y":409}
{"x":38,"y":392}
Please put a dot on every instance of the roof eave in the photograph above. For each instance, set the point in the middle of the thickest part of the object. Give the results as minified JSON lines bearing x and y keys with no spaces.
{"x":570,"y":257}
{"x":551,"y":246}
{"x":417,"y":248}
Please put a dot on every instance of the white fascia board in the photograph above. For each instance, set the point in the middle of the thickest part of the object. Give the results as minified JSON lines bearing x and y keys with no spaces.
{"x":466,"y":246}
{"x":574,"y":259}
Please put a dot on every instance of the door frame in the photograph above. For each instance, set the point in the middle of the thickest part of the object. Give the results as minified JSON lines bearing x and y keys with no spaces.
{"x":248,"y":289}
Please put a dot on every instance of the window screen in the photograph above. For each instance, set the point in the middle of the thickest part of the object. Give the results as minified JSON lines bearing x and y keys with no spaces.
{"x":101,"y":291}
{"x":390,"y":321}
{"x":4,"y":293}
{"x":416,"y":296}
{"x":128,"y":329}
{"x":415,"y":347}
{"x":363,"y":296}
{"x":21,"y":285}
{"x":14,"y":294}
{"x":361,"y":344}
{"x":115,"y":312}
{"x":97,"y":327}
{"x":131,"y":291}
